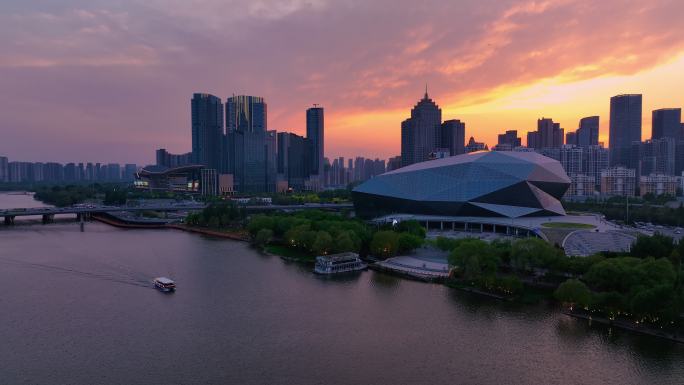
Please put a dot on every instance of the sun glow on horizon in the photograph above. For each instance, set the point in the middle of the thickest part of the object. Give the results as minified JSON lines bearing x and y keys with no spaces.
{"x":517,"y":107}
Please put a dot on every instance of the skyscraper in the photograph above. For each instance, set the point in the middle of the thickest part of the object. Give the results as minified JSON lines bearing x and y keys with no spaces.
{"x":657,"y":156}
{"x":246,"y":113}
{"x":508,"y":140}
{"x":571,"y":138}
{"x":453,"y":136}
{"x":667,"y":123}
{"x":315,"y":134}
{"x":245,"y":146}
{"x":207,"y":129}
{"x":271,"y":160}
{"x":550,"y":133}
{"x":420,"y":133}
{"x":294,"y":165}
{"x":4,"y":169}
{"x":588,"y":132}
{"x":625,"y":128}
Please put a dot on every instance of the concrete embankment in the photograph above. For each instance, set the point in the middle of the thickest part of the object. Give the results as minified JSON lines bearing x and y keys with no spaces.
{"x":116,"y":222}
{"x":406,"y":274}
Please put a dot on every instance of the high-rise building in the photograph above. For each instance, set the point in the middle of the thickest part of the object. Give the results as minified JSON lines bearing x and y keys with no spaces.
{"x":548,"y":135}
{"x":453,"y":136}
{"x":167,"y":159}
{"x":271,"y":159}
{"x":207,"y":129}
{"x":595,"y":159}
{"x":667,"y":123}
{"x":130,"y":169}
{"x":618,"y":181}
{"x":89,"y":173}
{"x":658,"y":184}
{"x":571,"y":138}
{"x":4,"y":169}
{"x":656,"y":156}
{"x":581,"y":185}
{"x":511,"y":138}
{"x":625,"y":128}
{"x":246,"y":113}
{"x":245,"y":146}
{"x":679,"y":157}
{"x":36,"y":172}
{"x":113,"y":172}
{"x":420,"y":133}
{"x":315,"y":130}
{"x":53,"y":172}
{"x":588,"y":132}
{"x":394,"y":163}
{"x":294,"y":164}
{"x":572,"y":159}
{"x":70,"y":174}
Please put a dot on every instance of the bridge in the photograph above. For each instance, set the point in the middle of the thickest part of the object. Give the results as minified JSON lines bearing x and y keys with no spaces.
{"x":48,"y":213}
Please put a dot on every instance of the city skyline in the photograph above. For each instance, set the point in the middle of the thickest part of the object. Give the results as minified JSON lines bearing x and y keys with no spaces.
{"x":117,"y":78}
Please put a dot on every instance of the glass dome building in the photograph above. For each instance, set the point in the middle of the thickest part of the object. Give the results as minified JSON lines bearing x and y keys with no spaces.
{"x":481,"y":184}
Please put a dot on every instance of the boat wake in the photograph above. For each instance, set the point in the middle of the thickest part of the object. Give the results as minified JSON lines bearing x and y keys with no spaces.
{"x":123,"y":276}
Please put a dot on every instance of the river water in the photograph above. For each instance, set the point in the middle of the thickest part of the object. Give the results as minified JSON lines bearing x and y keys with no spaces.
{"x":78,"y":308}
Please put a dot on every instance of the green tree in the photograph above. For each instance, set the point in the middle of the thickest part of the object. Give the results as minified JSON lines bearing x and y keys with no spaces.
{"x":532,"y":252}
{"x":411,"y":227}
{"x":475,"y":259}
{"x":384,"y":243}
{"x":654,"y":302}
{"x":344,"y":242}
{"x":263,"y":237}
{"x":573,"y":291}
{"x":259,"y":222}
{"x":408,"y":242}
{"x":323,"y":243}
{"x":656,"y":246}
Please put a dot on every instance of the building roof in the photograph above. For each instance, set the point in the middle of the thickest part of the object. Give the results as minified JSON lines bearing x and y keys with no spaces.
{"x":154,"y":170}
{"x":511,"y":184}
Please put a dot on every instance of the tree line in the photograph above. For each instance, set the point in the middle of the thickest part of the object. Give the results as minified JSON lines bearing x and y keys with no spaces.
{"x":314,"y":232}
{"x":644,"y":284}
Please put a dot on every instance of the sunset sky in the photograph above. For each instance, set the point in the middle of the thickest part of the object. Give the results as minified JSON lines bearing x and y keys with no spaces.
{"x":111,"y":81}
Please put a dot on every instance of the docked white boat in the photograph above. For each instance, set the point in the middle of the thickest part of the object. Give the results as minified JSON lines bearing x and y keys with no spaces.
{"x":338,"y":263}
{"x":164,"y":284}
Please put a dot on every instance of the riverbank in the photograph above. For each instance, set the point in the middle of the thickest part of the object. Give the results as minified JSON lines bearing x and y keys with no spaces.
{"x":235,"y":236}
{"x":627,"y":325}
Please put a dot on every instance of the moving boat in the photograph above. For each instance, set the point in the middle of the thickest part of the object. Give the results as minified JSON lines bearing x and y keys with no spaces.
{"x":164,"y":284}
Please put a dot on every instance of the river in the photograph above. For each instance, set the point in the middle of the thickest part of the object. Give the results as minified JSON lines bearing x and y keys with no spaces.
{"x":78,"y":308}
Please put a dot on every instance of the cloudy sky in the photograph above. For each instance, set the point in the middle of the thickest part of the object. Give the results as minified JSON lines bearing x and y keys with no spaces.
{"x":111,"y":81}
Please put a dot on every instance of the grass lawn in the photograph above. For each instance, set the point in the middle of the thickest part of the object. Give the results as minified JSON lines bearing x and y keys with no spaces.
{"x":567,"y":225}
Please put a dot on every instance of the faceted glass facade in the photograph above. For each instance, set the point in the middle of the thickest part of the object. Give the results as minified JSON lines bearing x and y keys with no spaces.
{"x":500,"y":184}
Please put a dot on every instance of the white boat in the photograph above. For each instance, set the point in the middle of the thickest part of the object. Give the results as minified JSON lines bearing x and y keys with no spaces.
{"x":164,"y":284}
{"x":338,"y":263}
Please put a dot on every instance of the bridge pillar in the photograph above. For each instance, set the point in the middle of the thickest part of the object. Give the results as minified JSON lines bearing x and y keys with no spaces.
{"x":9,"y":219}
{"x":48,"y":218}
